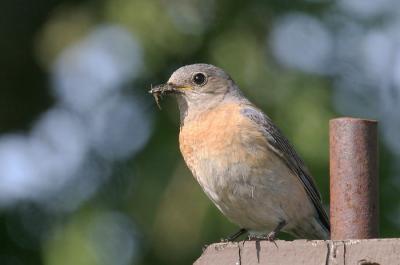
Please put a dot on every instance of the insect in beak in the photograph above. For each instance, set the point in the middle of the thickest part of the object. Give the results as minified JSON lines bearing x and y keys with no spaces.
{"x":159,"y":90}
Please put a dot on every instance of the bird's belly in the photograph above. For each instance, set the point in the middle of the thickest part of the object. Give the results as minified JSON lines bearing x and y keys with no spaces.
{"x":256,"y":195}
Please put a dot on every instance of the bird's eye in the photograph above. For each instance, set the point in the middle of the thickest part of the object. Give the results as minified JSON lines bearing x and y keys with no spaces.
{"x":199,"y":79}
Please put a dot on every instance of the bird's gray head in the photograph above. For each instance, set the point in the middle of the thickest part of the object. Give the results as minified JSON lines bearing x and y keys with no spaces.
{"x":199,"y":87}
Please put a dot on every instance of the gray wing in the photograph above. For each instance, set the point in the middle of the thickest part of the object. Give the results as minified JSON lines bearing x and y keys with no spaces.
{"x":286,"y":152}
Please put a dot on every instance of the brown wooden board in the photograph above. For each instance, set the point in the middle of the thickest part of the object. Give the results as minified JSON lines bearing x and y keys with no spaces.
{"x":357,"y":252}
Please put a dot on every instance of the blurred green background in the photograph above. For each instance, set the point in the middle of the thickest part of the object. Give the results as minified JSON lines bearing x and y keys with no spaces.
{"x":90,"y":169}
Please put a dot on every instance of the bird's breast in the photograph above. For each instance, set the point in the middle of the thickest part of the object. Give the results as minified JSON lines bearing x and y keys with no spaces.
{"x":222,"y":147}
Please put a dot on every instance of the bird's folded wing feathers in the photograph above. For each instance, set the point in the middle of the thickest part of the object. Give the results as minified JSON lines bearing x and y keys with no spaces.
{"x":281,"y":146}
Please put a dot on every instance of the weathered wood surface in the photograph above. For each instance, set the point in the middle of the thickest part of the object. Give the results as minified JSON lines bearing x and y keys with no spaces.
{"x":347,"y":252}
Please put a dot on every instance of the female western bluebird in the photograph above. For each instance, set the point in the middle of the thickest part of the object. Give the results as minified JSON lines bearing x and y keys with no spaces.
{"x":241,"y":159}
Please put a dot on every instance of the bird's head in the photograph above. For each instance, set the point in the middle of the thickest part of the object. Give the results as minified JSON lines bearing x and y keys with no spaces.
{"x":198,"y":87}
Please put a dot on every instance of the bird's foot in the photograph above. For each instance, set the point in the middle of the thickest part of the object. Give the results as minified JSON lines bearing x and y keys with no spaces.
{"x":254,"y":238}
{"x":260,"y":237}
{"x":271,"y":236}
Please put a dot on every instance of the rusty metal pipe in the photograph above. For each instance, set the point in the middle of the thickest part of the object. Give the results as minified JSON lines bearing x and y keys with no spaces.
{"x":353,"y":179}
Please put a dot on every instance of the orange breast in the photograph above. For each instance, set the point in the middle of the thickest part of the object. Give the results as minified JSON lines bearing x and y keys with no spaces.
{"x":223,"y":135}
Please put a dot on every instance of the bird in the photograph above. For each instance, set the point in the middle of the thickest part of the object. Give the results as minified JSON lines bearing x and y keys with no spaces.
{"x":241,"y":159}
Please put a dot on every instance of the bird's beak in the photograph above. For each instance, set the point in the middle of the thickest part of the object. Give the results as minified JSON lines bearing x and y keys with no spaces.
{"x":168,"y":88}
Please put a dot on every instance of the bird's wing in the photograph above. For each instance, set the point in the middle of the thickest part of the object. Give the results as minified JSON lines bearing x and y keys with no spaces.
{"x":281,"y":146}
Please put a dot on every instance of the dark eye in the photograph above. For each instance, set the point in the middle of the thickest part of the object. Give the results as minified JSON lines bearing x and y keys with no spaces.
{"x":199,"y":79}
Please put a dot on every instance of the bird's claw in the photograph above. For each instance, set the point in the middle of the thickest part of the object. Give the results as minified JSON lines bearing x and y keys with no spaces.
{"x":253,"y":238}
{"x":271,"y":236}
